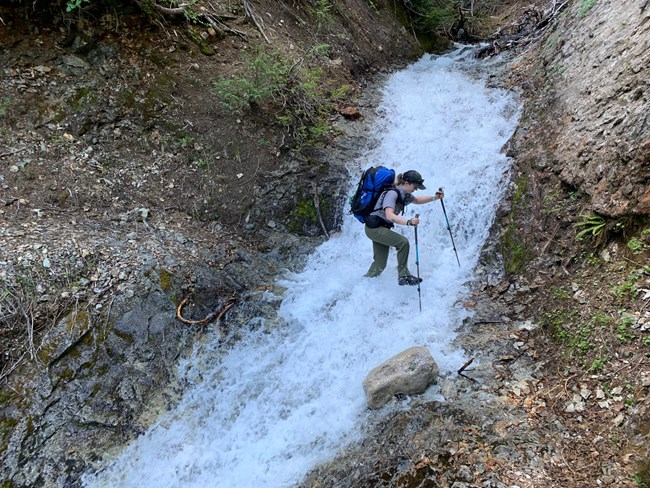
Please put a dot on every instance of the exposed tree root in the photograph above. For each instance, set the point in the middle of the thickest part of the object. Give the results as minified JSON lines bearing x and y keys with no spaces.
{"x":214,"y":316}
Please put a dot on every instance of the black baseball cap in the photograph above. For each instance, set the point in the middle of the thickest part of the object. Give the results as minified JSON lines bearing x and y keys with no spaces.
{"x":414,"y":177}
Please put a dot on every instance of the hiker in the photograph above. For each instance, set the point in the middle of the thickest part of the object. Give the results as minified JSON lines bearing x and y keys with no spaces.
{"x":386,"y":213}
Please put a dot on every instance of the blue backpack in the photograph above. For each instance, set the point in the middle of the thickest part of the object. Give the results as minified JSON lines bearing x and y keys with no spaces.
{"x":373,"y":182}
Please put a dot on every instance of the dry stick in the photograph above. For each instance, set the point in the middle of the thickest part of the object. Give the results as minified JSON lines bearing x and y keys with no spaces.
{"x":214,"y":21}
{"x":632,"y":261}
{"x":4,"y":374}
{"x":565,"y":462}
{"x":632,"y":367}
{"x":9,"y":153}
{"x":251,"y":14}
{"x":462,"y":368}
{"x":29,"y":317}
{"x":548,"y":243}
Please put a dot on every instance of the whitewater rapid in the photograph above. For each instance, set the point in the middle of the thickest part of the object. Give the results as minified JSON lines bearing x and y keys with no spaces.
{"x":281,"y":401}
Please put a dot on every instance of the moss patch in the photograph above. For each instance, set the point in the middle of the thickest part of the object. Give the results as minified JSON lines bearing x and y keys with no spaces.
{"x":166,"y":280}
{"x":513,"y":247}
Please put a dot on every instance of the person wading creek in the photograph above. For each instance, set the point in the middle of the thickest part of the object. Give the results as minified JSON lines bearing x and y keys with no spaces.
{"x":385,"y":215}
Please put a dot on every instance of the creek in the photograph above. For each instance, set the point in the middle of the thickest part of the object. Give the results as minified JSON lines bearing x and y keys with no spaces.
{"x":285,"y":399}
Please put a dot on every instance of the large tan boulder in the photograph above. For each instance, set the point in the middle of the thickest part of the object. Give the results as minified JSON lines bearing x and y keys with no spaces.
{"x":408,"y":373}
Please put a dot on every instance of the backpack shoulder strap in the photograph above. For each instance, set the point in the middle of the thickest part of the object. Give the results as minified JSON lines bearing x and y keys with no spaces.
{"x":386,"y":190}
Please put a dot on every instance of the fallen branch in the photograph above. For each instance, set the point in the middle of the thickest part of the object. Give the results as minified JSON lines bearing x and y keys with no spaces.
{"x":7,"y":371}
{"x":219,"y":26}
{"x":214,"y":316}
{"x":462,"y":368}
{"x":524,"y":33}
{"x":9,"y":153}
{"x":250,"y":13}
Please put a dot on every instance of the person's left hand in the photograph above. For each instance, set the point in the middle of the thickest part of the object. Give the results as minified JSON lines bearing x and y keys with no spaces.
{"x":413,"y":221}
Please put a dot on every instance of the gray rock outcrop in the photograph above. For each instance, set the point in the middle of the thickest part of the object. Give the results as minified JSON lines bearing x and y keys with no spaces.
{"x":591,"y":122}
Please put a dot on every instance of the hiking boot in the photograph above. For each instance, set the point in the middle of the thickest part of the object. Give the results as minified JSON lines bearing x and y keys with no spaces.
{"x":409,"y":280}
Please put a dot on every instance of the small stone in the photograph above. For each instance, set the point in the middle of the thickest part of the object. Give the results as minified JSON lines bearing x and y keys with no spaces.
{"x":351,"y":113}
{"x":645,"y":379}
{"x":465,"y":474}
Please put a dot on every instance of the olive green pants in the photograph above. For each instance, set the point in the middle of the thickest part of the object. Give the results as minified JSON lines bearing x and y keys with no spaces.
{"x":382,"y":240}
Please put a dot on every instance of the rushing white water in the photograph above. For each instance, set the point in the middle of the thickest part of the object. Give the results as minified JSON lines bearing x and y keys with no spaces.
{"x":280,"y":402}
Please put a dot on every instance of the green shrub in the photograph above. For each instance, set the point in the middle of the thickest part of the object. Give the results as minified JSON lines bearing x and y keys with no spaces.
{"x":264,"y":75}
{"x":300,"y":96}
{"x":74,"y":4}
{"x":593,"y":227}
{"x":585,"y":7}
{"x":323,"y":14}
{"x":431,"y":15}
{"x":5,"y":103}
{"x":635,"y":245}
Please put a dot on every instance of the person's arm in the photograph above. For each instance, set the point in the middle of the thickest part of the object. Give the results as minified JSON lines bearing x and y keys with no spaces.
{"x":428,"y":198}
{"x":398,"y":219}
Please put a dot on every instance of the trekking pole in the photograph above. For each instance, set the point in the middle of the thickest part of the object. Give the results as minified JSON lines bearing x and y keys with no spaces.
{"x":453,"y":244}
{"x":417,"y":261}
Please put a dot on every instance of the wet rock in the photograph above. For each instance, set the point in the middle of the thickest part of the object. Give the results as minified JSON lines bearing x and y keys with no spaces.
{"x":408,"y":373}
{"x":351,"y":113}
